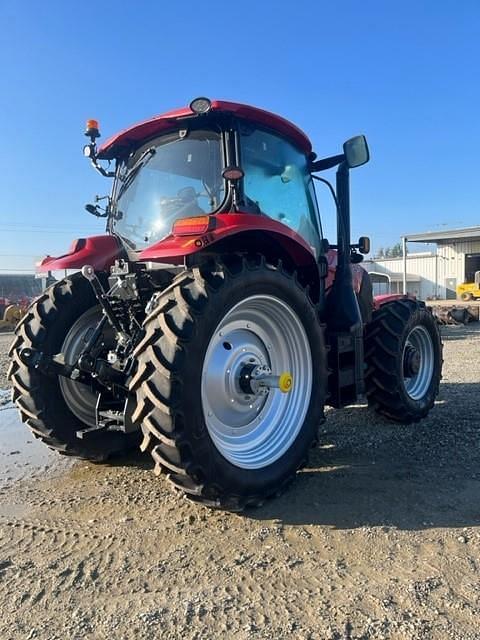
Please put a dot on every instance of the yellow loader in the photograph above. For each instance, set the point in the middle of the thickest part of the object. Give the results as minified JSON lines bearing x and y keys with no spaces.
{"x":11,"y":316}
{"x":469,"y":290}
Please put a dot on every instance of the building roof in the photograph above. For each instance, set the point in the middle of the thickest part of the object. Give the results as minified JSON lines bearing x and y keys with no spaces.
{"x":467,"y":233}
{"x":410,"y":256}
{"x":376,"y":276}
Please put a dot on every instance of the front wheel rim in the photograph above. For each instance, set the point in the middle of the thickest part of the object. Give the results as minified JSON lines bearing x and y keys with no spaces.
{"x":418,"y":345}
{"x":254,"y":430}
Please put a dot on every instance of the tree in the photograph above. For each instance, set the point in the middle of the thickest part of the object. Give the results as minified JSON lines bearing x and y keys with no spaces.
{"x":389,"y":252}
{"x":397,"y":250}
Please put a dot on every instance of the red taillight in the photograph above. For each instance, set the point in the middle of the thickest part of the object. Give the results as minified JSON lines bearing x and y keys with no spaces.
{"x":192,"y":226}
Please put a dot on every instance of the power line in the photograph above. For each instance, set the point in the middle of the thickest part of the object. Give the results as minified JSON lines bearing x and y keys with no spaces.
{"x":26,"y":223}
{"x":13,"y":225}
{"x":46,"y":230}
{"x":42,"y":227}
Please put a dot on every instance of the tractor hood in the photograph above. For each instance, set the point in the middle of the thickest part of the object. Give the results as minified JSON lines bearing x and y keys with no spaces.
{"x":122,"y":143}
{"x":99,"y":251}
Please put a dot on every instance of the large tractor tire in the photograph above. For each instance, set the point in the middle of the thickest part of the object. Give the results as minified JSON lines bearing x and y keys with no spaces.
{"x":55,"y":408}
{"x":403,"y":352}
{"x":219,"y":441}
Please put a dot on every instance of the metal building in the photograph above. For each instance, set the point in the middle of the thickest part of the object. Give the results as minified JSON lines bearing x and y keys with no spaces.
{"x":433,"y":274}
{"x":18,"y":285}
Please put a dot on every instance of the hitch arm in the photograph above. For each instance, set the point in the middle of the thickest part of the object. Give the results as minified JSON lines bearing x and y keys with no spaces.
{"x":53,"y":365}
{"x":85,"y":370}
{"x":88,"y":272}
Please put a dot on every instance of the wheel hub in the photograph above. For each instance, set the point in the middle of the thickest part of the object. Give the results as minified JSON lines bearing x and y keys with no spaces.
{"x":246,"y":378}
{"x":259,"y":379}
{"x":252,"y":410}
{"x":411,"y":361}
{"x":236,"y":354}
{"x":418,"y":362}
{"x":80,"y":398}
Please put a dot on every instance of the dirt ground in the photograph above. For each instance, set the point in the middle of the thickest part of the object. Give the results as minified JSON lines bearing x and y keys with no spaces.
{"x":378,"y":538}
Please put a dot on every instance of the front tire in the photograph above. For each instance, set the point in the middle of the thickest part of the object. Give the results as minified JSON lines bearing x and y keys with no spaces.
{"x":56,"y":408}
{"x":218,"y":443}
{"x":403,"y":353}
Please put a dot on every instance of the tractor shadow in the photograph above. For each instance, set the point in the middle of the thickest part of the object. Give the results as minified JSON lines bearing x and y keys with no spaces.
{"x":135,"y":459}
{"x":460,"y":331}
{"x":369,"y":472}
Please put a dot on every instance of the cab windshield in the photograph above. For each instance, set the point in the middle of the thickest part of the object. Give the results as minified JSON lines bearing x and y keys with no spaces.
{"x":172,"y":177}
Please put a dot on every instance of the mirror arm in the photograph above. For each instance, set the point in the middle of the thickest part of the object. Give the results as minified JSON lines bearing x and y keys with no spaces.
{"x":100,"y":169}
{"x":331,"y":189}
{"x":326,"y":163}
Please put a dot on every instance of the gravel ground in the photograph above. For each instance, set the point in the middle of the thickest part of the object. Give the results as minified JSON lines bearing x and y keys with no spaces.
{"x":5,"y":340}
{"x":378,"y":538}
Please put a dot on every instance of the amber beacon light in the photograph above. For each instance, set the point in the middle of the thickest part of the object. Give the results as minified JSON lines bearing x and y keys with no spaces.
{"x":92,"y":129}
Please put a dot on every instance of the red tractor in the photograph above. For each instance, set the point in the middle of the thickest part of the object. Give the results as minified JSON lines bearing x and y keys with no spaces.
{"x":212,"y":316}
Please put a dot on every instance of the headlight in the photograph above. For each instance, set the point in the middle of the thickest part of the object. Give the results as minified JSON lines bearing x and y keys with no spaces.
{"x":200,"y":105}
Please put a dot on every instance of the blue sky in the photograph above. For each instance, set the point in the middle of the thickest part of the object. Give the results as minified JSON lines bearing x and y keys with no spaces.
{"x":405,"y":74}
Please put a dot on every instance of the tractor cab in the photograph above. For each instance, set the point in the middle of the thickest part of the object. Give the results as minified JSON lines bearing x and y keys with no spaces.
{"x":182,"y":179}
{"x":211,"y":162}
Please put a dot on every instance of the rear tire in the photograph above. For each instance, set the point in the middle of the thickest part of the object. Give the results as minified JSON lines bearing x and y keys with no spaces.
{"x":41,"y":399}
{"x":466,"y":297}
{"x":183,"y":418}
{"x":402,"y":337}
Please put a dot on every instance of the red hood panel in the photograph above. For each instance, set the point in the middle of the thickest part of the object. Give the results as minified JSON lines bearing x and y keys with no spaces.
{"x":98,"y":251}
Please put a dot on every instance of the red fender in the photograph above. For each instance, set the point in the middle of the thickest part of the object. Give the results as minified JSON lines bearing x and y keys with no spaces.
{"x":173,"y":248}
{"x":357,"y":271}
{"x":98,"y":251}
{"x":379,"y":301}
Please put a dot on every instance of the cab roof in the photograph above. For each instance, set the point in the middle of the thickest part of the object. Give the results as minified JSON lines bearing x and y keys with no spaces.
{"x":132,"y":137}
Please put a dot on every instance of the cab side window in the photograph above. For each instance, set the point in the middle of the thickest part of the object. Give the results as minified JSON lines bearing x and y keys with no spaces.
{"x":278,"y":182}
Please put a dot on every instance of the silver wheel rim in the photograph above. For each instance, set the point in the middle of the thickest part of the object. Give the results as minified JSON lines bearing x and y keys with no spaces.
{"x":417,"y":384}
{"x":253,"y":431}
{"x":80,"y":399}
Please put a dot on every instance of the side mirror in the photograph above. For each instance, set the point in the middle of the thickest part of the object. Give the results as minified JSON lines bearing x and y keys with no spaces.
{"x":95,"y":211}
{"x":364,"y":245}
{"x":356,"y":151}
